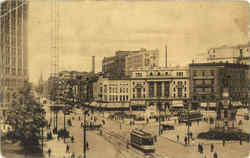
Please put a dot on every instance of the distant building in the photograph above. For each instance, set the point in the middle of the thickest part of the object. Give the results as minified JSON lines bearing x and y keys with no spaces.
{"x":206,"y":82}
{"x":13,"y":50}
{"x":123,"y":62}
{"x":160,"y":86}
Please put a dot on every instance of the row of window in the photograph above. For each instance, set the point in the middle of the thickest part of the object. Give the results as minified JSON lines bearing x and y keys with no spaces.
{"x":115,"y":98}
{"x":113,"y":90}
{"x":180,"y":95}
{"x":203,"y":73}
{"x":181,"y":74}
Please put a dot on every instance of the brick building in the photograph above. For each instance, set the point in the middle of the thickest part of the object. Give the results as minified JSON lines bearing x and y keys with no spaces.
{"x":123,"y":62}
{"x":206,"y":82}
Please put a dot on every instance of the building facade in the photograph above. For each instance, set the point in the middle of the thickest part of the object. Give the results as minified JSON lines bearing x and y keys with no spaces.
{"x":123,"y":62}
{"x":144,"y":58}
{"x":13,"y":49}
{"x":160,"y":87}
{"x":112,"y":90}
{"x":207,"y":81}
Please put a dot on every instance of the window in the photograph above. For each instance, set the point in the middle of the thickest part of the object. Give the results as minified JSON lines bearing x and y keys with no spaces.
{"x":139,"y":94}
{"x":159,"y":74}
{"x":195,"y":73}
{"x":151,"y":89}
{"x":159,"y":91}
{"x":203,"y":73}
{"x":166,"y":89}
{"x":166,"y":73}
{"x":212,"y":72}
{"x":150,"y":74}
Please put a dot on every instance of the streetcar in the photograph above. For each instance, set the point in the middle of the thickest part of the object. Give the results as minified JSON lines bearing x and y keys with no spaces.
{"x":191,"y":116}
{"x":142,"y":140}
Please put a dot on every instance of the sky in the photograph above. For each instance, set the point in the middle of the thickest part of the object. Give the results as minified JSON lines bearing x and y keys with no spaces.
{"x":99,"y":28}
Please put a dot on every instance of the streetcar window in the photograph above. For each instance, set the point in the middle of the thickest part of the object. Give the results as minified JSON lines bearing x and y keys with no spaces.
{"x":148,"y":141}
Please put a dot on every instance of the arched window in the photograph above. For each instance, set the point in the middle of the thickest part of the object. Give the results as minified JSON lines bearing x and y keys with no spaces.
{"x":150,"y":74}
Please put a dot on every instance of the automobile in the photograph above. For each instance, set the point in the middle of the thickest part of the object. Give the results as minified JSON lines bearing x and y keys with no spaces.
{"x":167,"y":127}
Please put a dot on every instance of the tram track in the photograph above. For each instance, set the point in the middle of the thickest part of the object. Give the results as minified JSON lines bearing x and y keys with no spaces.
{"x":122,"y":141}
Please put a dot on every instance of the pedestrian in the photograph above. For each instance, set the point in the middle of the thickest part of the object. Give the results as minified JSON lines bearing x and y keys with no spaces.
{"x":128,"y":145}
{"x":87,"y":145}
{"x":67,"y":148}
{"x":185,"y":140}
{"x":201,"y":148}
{"x":79,"y":118}
{"x":178,"y":137}
{"x":191,"y":135}
{"x":73,"y":155}
{"x":215,"y":155}
{"x":49,"y":152}
{"x":240,"y":141}
{"x":212,"y":147}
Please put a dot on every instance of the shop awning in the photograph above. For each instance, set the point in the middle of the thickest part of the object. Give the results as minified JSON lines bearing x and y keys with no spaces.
{"x":208,"y":104}
{"x":177,"y":104}
{"x":236,"y":103}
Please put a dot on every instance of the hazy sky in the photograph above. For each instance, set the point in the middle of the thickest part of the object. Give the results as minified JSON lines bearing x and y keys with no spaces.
{"x":102,"y":27}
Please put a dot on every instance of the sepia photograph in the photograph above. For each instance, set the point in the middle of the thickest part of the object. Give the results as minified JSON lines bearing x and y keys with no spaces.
{"x":124,"y":79}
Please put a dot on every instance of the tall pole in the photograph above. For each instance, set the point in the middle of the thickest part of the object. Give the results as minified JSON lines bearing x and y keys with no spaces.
{"x":159,"y":119}
{"x":84,"y":135}
{"x":64,"y":126}
{"x":56,"y":120}
{"x":42,"y":139}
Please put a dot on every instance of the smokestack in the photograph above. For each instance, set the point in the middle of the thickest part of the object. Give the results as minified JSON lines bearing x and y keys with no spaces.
{"x":93,"y":64}
{"x":166,"y":56}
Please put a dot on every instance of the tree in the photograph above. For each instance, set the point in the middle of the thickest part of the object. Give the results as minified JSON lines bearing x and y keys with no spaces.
{"x":26,"y":117}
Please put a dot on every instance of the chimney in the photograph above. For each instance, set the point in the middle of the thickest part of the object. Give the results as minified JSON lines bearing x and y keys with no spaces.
{"x":93,"y":64}
{"x":166,"y":56}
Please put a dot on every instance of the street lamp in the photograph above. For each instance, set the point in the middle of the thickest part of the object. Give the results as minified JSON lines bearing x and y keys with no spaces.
{"x":65,"y":112}
{"x":43,"y":125}
{"x":84,"y":134}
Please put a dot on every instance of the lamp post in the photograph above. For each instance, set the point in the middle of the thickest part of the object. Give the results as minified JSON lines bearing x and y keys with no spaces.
{"x":43,"y":125}
{"x":65,"y":112}
{"x":84,"y":134}
{"x":159,"y":119}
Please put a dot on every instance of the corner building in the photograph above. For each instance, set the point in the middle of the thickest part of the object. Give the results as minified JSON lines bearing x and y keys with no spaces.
{"x":207,"y":82}
{"x":160,"y":86}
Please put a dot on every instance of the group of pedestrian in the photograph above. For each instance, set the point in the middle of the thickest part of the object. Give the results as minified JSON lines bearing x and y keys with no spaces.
{"x":201,"y":150}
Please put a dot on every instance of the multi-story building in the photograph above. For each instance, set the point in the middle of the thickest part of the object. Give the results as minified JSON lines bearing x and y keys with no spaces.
{"x":13,"y":49}
{"x":207,"y":82}
{"x":144,"y":58}
{"x":112,"y":90}
{"x":123,"y":62}
{"x":160,"y":87}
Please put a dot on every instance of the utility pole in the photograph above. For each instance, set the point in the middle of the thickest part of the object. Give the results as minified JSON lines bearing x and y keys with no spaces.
{"x":84,"y":135}
{"x":159,"y":118}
